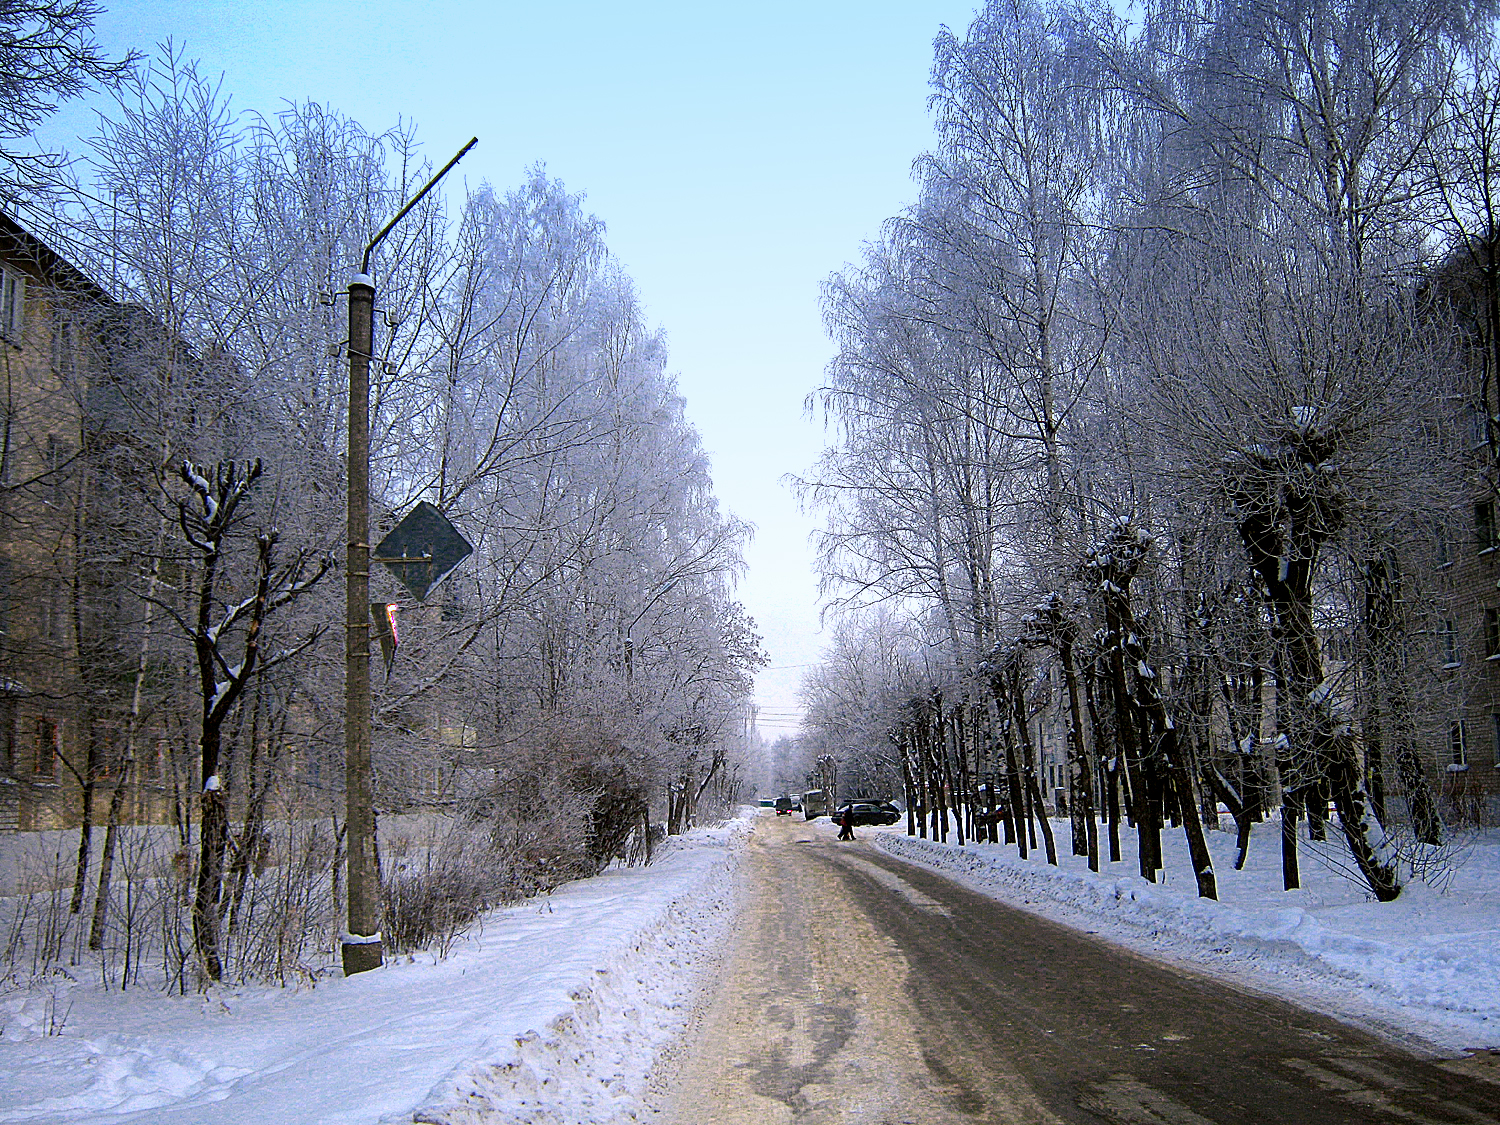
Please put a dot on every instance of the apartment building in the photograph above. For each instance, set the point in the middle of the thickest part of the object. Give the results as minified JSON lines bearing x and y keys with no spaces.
{"x":46,"y":309}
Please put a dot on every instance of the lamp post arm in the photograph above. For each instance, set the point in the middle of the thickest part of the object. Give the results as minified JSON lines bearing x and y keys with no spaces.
{"x":364,"y":266}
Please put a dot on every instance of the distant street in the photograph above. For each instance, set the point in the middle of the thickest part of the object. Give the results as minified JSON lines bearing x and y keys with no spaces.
{"x":861,"y":989}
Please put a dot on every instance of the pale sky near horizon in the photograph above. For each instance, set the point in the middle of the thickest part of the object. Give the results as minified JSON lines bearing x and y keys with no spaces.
{"x":738,"y":155}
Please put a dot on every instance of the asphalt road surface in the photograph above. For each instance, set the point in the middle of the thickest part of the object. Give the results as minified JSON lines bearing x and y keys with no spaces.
{"x":862,"y":989}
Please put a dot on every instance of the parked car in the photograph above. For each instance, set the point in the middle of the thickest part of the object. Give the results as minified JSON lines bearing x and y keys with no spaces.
{"x":783,"y":806}
{"x":870,"y":812}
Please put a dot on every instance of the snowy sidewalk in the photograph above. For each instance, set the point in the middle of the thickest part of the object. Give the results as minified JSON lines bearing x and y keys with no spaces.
{"x":1424,"y":969}
{"x":554,"y":1012}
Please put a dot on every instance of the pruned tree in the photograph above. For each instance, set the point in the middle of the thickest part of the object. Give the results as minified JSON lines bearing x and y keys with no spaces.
{"x":228,"y":642}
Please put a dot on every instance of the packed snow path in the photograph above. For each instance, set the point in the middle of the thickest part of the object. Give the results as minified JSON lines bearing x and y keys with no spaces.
{"x":863,"y":989}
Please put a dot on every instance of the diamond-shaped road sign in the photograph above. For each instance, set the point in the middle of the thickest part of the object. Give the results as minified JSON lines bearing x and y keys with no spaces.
{"x":423,"y":549}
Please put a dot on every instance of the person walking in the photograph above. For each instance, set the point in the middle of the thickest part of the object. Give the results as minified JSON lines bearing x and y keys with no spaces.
{"x":846,"y":824}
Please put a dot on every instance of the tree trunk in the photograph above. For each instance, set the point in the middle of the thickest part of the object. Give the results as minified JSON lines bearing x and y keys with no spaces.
{"x":1080,"y":767}
{"x":1108,"y":763}
{"x":1282,"y":531}
{"x":1225,"y":791}
{"x":1290,"y":877}
{"x":213,"y":836}
{"x":107,"y":857}
{"x":1426,"y":824}
{"x":1016,"y":824}
{"x":1315,"y":805}
{"x":1023,"y":731}
{"x":127,"y":765}
{"x":902,"y":743}
{"x":86,"y":825}
{"x":1366,"y":838}
{"x":1203,"y":866}
{"x":955,"y":794}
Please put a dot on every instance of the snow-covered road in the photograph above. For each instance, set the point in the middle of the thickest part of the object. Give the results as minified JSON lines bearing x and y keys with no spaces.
{"x":861,"y":988}
{"x":561,"y":1009}
{"x":1423,"y":970}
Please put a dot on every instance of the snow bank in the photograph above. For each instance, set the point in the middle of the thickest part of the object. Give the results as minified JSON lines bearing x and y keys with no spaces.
{"x":1424,"y":969}
{"x":592,"y":1062}
{"x":553,"y":1010}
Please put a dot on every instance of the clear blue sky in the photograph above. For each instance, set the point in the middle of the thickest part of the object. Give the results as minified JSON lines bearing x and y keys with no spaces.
{"x":738,"y":154}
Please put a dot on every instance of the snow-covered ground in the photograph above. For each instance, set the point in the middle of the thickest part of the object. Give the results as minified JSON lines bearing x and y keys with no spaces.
{"x":555,"y":1010}
{"x":1424,"y":969}
{"x":563,"y":1009}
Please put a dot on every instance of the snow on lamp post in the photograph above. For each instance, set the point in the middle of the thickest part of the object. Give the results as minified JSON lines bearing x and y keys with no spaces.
{"x":361,"y":943}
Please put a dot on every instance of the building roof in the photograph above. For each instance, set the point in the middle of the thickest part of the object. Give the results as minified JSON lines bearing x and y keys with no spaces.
{"x":19,"y":244}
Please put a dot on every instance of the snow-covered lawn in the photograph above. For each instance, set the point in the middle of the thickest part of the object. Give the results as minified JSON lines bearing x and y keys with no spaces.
{"x":555,"y":1010}
{"x":1424,"y":969}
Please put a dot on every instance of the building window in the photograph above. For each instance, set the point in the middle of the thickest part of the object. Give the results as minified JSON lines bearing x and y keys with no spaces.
{"x":1492,"y":633}
{"x":1495,"y":723}
{"x":1449,"y":641}
{"x":12,"y":305}
{"x":59,"y":464}
{"x":8,"y":736}
{"x":1479,"y":434}
{"x":64,"y":347}
{"x":1484,"y":525}
{"x":156,"y":753}
{"x":1458,"y":749}
{"x":45,"y":764}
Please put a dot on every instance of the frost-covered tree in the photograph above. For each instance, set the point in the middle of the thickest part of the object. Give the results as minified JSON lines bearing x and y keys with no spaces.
{"x":581,"y":678}
{"x":48,"y":56}
{"x":1177,"y":272}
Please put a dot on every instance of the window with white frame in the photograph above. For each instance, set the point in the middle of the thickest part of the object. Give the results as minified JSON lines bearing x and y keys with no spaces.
{"x":1458,"y":749}
{"x":12,"y":304}
{"x":64,"y":346}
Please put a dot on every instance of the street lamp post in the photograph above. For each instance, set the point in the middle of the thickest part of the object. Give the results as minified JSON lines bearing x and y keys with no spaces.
{"x":362,"y":943}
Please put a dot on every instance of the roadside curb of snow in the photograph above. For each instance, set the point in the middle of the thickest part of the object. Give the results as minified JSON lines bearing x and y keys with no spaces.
{"x":1293,"y":957}
{"x":593,"y":1062}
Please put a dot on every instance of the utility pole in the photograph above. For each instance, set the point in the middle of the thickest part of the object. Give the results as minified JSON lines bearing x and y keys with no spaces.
{"x":362,"y":944}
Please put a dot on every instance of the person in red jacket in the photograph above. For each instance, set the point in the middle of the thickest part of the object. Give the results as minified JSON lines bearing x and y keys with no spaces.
{"x":846,"y":824}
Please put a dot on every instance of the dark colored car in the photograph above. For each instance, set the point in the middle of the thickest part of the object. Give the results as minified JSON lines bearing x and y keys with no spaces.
{"x":783,"y":806}
{"x":871,"y":812}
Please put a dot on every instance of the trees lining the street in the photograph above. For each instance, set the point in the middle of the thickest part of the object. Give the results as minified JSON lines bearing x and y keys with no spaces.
{"x":1167,"y":295}
{"x":580,"y":683}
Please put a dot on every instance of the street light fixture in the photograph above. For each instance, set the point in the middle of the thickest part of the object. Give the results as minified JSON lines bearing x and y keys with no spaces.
{"x":361,"y":943}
